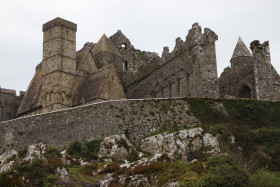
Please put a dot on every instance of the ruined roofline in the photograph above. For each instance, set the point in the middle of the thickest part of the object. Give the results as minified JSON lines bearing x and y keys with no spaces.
{"x":7,"y":91}
{"x":59,"y":22}
{"x":196,"y":28}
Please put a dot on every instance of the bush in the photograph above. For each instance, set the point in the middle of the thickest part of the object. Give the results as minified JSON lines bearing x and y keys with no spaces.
{"x":88,"y":169}
{"x":264,"y":178}
{"x":197,"y":167}
{"x":199,"y":154}
{"x":151,"y":168}
{"x":50,"y":181}
{"x":132,"y":156}
{"x":221,"y":160}
{"x":87,"y":150}
{"x":111,"y":168}
{"x":265,"y":136}
{"x":225,"y":175}
{"x":94,"y":145}
{"x":75,"y":148}
{"x":191,"y":181}
{"x":224,"y":171}
{"x":52,"y":152}
{"x":6,"y":180}
{"x":90,"y":149}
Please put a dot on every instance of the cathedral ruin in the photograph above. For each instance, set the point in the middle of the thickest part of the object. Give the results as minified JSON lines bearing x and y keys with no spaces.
{"x":114,"y":69}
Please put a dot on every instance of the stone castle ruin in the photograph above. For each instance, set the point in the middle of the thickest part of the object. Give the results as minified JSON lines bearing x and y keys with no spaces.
{"x":114,"y":69}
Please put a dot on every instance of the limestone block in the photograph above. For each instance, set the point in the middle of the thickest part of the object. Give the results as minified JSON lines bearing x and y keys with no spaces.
{"x":196,"y":143}
{"x":209,"y":140}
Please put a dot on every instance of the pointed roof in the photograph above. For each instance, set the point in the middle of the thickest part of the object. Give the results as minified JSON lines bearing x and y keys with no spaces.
{"x":241,"y":49}
{"x":96,"y":84}
{"x":104,"y":44}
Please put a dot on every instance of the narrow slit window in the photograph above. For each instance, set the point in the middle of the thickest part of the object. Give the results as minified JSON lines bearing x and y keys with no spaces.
{"x":125,"y":66}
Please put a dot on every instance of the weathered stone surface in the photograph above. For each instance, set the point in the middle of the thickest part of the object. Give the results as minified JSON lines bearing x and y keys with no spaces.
{"x":250,"y":76}
{"x":209,"y":140}
{"x":63,"y":174}
{"x":9,"y":103}
{"x":34,"y":150}
{"x":112,"y":149}
{"x":136,"y":118}
{"x":5,"y":163}
{"x":182,"y":142}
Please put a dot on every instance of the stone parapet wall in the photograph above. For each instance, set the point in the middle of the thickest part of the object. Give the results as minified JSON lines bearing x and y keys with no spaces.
{"x":135,"y":118}
{"x":7,"y":91}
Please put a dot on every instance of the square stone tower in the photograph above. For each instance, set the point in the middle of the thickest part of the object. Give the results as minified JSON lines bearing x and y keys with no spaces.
{"x":59,"y":64}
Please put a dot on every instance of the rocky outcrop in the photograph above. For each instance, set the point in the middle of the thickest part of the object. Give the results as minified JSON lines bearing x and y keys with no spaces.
{"x":7,"y":160}
{"x":178,"y":142}
{"x":115,"y":148}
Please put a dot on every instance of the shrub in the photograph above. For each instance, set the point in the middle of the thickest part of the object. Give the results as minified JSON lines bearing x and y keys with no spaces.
{"x":50,"y":181}
{"x":225,"y":175}
{"x":197,"y":167}
{"x":132,"y":156}
{"x":199,"y":154}
{"x":6,"y":180}
{"x":264,"y":178}
{"x":111,"y":168}
{"x":37,"y":169}
{"x":52,"y":152}
{"x":123,"y":143}
{"x":90,"y":149}
{"x":75,"y":148}
{"x":266,"y":136}
{"x":151,"y":168}
{"x":88,"y":169}
{"x":22,"y":153}
{"x":224,"y":171}
{"x":192,"y":181}
{"x":221,"y":160}
{"x":94,"y":145}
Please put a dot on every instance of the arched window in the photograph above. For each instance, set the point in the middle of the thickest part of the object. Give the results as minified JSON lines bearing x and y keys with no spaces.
{"x":245,"y":92}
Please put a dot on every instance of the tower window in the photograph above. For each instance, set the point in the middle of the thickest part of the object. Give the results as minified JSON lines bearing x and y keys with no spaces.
{"x":124,"y":45}
{"x":50,"y":32}
{"x":125,"y":66}
{"x":66,"y":32}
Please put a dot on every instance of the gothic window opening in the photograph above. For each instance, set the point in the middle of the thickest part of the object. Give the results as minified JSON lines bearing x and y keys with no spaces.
{"x":245,"y":92}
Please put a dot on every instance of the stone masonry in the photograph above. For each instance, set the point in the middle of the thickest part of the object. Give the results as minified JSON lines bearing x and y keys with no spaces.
{"x":135,"y":118}
{"x":250,"y":75}
{"x":113,"y":69}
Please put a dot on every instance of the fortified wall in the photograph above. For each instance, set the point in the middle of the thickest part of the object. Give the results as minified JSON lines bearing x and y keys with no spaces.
{"x":135,"y":118}
{"x":9,"y":103}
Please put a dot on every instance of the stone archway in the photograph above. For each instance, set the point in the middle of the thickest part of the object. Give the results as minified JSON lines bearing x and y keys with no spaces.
{"x":245,"y":92}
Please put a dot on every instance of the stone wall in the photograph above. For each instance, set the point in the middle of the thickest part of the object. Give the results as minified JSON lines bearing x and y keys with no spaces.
{"x":9,"y":103}
{"x":136,"y":118}
{"x":189,"y":70}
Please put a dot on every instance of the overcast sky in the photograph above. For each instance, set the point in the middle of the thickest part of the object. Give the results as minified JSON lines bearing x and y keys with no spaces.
{"x":149,"y":24}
